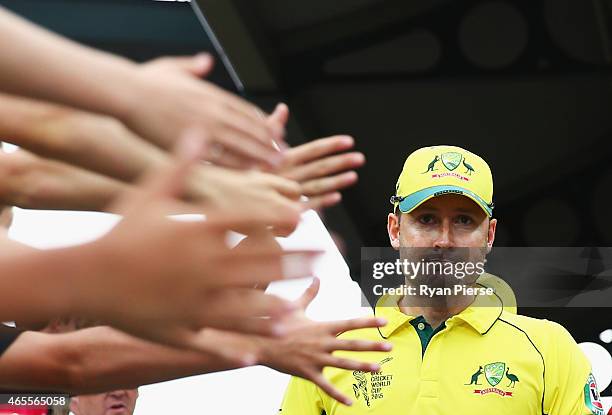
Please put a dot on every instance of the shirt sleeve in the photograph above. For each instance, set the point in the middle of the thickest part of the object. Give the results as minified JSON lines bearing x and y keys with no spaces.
{"x":302,"y":398}
{"x":568,"y":379}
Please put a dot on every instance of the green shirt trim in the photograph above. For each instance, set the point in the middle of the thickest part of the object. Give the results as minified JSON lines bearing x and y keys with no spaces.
{"x":425,"y":331}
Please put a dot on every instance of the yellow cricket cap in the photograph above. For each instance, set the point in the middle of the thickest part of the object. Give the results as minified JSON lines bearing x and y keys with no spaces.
{"x":437,"y":170}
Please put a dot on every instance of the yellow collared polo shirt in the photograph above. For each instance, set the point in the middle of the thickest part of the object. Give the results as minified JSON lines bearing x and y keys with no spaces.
{"x":483,"y":360}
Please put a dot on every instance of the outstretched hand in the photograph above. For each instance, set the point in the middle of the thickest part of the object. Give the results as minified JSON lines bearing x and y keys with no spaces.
{"x":308,"y":346}
{"x":172,"y":97}
{"x":319,"y":166}
{"x":180,"y":277}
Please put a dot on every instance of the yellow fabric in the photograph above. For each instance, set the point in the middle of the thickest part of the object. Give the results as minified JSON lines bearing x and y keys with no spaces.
{"x":548,"y":368}
{"x":502,"y":289}
{"x":445,"y":165}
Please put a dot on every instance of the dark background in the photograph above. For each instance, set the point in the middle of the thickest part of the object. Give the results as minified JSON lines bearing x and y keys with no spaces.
{"x":525,"y":83}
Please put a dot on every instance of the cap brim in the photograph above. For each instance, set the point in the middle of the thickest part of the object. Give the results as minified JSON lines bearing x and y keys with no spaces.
{"x":414,"y":200}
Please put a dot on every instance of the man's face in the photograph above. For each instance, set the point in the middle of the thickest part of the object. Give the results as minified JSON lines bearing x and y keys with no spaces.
{"x":446,"y":221}
{"x":120,"y":402}
{"x":446,"y":226}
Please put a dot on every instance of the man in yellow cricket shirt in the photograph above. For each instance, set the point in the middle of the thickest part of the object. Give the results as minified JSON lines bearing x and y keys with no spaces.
{"x":463,"y":354}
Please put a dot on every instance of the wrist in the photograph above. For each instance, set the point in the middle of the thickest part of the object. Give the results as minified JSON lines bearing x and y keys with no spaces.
{"x":263,"y":351}
{"x":87,"y":278}
{"x":58,"y":278}
{"x":124,"y":98}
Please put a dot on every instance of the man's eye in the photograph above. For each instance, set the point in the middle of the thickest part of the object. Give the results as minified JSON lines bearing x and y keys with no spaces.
{"x":426,"y":219}
{"x":464,"y":220}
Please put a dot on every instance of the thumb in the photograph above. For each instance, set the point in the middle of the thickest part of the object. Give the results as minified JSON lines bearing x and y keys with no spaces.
{"x":280,"y":114}
{"x":171,"y":181}
{"x":309,"y":295}
{"x":200,"y":65}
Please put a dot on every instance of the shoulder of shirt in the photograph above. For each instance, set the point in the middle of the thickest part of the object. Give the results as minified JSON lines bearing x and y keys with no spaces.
{"x":530,"y":323}
{"x":541,"y":332}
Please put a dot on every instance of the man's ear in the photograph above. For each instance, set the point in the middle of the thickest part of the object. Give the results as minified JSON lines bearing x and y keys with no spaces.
{"x":393,"y":229}
{"x":491,"y":234}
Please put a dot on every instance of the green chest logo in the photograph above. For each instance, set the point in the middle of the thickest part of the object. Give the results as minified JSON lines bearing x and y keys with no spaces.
{"x":494,"y":372}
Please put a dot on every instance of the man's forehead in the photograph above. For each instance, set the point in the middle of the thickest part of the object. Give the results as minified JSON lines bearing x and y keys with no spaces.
{"x":456,"y":203}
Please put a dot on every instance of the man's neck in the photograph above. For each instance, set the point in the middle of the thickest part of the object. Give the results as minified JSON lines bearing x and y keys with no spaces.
{"x":435,"y":310}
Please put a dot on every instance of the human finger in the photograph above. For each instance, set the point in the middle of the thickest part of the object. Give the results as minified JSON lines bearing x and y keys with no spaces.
{"x":246,"y":143}
{"x":280,"y":114}
{"x":329,"y":184}
{"x":358,"y":346}
{"x":319,"y":380}
{"x":319,"y":148}
{"x":167,"y":182}
{"x":349,"y":364}
{"x":326,"y":166}
{"x":198,"y":65}
{"x":307,"y":296}
{"x":319,"y":202}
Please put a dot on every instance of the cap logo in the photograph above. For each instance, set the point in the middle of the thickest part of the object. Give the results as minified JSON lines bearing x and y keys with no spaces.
{"x":468,"y":169}
{"x":432,"y":165}
{"x":451,"y":160}
{"x":432,"y":171}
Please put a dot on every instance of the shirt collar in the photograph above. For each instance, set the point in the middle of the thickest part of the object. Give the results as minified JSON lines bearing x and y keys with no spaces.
{"x":387,"y":307}
{"x":481,"y":314}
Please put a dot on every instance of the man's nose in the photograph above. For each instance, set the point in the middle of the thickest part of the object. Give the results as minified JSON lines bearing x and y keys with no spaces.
{"x":444,"y":238}
{"x":118,"y":393}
